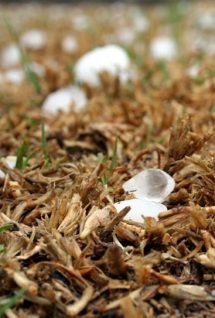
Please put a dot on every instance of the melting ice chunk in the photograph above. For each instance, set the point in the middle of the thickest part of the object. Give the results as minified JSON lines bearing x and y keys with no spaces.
{"x":10,"y":55}
{"x":34,"y":39}
{"x":37,"y":68}
{"x":206,"y":20}
{"x":13,"y":76}
{"x":110,"y":58}
{"x":80,"y":21}
{"x":69,"y":44}
{"x":163,"y":48}
{"x":9,"y":161}
{"x":140,"y":208}
{"x":140,"y":21}
{"x":193,"y":70}
{"x":63,"y":99}
{"x":150,"y":184}
{"x":17,"y":75}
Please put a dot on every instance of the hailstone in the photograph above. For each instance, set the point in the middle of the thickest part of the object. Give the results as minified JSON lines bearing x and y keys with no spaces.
{"x":110,"y":58}
{"x":63,"y":99}
{"x":151,"y":184}
{"x":149,"y":187}
{"x":34,"y":39}
{"x":139,"y":208}
{"x":163,"y":48}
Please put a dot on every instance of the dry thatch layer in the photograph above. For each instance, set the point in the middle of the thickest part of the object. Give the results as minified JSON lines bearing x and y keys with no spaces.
{"x":65,"y":248}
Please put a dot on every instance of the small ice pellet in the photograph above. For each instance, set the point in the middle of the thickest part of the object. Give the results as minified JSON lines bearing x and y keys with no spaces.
{"x":163,"y":48}
{"x":140,"y":208}
{"x":34,"y":39}
{"x":13,"y":76}
{"x":63,"y":99}
{"x":150,"y":184}
{"x":110,"y":58}
{"x":9,"y":161}
{"x":10,"y":55}
{"x":69,"y":44}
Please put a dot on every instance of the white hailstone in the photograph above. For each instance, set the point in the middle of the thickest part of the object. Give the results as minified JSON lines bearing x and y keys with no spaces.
{"x":151,"y":184}
{"x":200,"y":44}
{"x":193,"y":70}
{"x":63,"y":99}
{"x":58,"y":11}
{"x":34,"y":39}
{"x":163,"y":48}
{"x":204,"y":44}
{"x":110,"y":58}
{"x":10,"y":55}
{"x":37,"y":68}
{"x":126,"y":35}
{"x":206,"y":21}
{"x":13,"y":76}
{"x":10,"y":162}
{"x":2,"y":174}
{"x":140,"y":22}
{"x":69,"y":44}
{"x":16,"y":75}
{"x":80,"y":22}
{"x":140,"y":208}
{"x":150,"y":188}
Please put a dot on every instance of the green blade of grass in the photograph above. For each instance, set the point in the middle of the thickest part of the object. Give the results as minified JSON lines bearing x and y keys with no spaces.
{"x":6,"y":227}
{"x":31,"y":75}
{"x":21,"y":153}
{"x":104,"y":179}
{"x":162,"y":65}
{"x":212,"y":110}
{"x":148,"y":139}
{"x":114,"y":157}
{"x":101,"y":158}
{"x":24,"y":59}
{"x":11,"y":301}
{"x":2,"y":248}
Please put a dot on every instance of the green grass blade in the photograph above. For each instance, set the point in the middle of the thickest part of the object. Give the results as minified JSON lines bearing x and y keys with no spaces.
{"x":101,"y":158}
{"x":21,"y":153}
{"x":6,"y":227}
{"x":24,"y":59}
{"x":114,"y":157}
{"x":11,"y":302}
{"x":104,"y":179}
{"x":31,"y":75}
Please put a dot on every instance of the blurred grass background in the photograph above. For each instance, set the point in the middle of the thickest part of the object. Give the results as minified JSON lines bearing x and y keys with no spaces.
{"x":148,"y":2}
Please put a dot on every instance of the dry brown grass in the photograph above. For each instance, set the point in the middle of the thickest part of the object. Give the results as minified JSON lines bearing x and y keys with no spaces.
{"x":67,"y":247}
